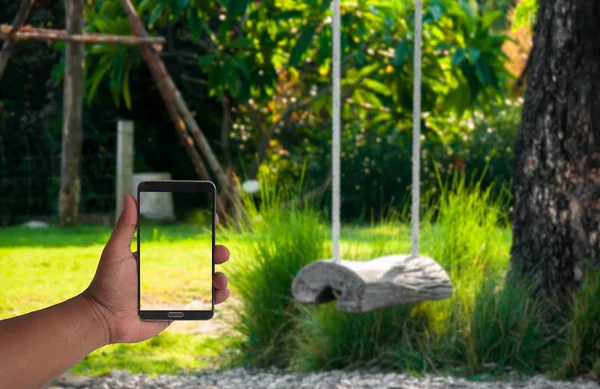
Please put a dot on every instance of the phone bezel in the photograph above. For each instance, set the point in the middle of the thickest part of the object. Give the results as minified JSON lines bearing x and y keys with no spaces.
{"x":174,"y":187}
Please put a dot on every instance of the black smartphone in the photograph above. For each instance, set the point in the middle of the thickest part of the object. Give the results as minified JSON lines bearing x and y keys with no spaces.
{"x":176,"y":250}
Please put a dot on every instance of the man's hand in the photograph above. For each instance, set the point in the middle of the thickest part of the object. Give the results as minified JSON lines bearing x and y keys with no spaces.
{"x":113,"y":291}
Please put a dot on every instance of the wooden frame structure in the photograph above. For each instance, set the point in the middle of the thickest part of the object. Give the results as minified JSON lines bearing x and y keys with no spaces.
{"x":188,"y":131}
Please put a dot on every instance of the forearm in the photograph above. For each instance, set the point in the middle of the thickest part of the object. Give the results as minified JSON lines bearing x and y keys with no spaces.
{"x":37,"y":347}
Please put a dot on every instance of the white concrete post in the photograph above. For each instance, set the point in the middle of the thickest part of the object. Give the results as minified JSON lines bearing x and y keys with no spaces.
{"x":124,"y":163}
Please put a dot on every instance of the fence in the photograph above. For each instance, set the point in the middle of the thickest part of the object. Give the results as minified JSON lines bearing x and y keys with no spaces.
{"x":30,"y":165}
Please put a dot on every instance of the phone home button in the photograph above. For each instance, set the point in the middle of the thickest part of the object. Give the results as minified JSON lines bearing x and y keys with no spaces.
{"x":175,"y":314}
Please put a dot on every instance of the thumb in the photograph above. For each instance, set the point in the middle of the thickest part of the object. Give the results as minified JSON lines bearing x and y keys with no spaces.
{"x":122,"y":235}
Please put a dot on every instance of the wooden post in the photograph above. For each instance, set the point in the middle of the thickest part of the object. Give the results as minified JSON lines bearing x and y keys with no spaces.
{"x":124,"y":163}
{"x":72,"y":134}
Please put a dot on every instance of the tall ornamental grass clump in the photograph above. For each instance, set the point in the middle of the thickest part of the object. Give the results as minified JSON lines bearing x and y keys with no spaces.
{"x":284,"y":238}
{"x":489,"y":324}
{"x":483,"y":322}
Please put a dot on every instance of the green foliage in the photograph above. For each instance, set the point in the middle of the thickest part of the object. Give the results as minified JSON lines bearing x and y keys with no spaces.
{"x":487,"y":320}
{"x":582,"y":346}
{"x":112,"y":62}
{"x":272,"y":60}
{"x":464,"y":206}
{"x":265,"y":55}
{"x":504,"y":327}
{"x":482,"y":140}
{"x":389,"y":338}
{"x":283,"y":242}
{"x":525,"y":14}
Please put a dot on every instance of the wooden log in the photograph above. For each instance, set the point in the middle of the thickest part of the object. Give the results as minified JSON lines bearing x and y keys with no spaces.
{"x":72,"y":127}
{"x":366,"y":286}
{"x":44,"y":34}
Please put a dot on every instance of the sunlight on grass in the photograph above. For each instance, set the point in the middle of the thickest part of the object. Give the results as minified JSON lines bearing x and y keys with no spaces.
{"x":489,"y":319}
{"x":34,"y":278}
{"x":44,"y":267}
{"x":167,"y":353}
{"x":179,"y":271}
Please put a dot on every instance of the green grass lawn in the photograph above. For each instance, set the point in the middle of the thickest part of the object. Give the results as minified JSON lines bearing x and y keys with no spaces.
{"x":175,"y":269}
{"x":41,"y":267}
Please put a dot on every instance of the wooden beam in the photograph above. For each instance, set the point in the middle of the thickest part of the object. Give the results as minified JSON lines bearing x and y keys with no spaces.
{"x":43,"y":34}
{"x":177,"y":107}
{"x":137,"y":27}
{"x":8,"y":46}
{"x":162,"y":78}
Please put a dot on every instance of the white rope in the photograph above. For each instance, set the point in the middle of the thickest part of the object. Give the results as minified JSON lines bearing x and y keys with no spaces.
{"x":336,"y":149}
{"x":416,"y":162}
{"x":337,"y":119}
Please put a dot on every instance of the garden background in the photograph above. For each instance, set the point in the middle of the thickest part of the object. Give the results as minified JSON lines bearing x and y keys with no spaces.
{"x":257,"y":77}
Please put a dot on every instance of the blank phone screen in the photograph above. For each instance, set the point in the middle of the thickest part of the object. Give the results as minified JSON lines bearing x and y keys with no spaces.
{"x":175,"y":251}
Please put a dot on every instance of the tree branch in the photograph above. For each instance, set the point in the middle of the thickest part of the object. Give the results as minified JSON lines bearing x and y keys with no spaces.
{"x":8,"y":46}
{"x":161,"y":77}
{"x":191,"y":56}
{"x":193,"y":80}
{"x":263,"y":144}
{"x":256,"y":118}
{"x":266,"y":138}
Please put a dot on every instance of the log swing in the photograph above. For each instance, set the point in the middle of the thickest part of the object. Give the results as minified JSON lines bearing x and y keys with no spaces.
{"x":385,"y":281}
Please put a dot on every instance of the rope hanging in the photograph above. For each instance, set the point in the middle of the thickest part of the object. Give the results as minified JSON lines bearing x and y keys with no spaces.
{"x":416,"y":158}
{"x":336,"y":149}
{"x":337,"y":122}
{"x":363,"y":286}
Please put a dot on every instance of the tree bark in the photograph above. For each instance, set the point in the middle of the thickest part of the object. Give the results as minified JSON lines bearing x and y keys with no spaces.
{"x":70,"y":182}
{"x":556,"y":174}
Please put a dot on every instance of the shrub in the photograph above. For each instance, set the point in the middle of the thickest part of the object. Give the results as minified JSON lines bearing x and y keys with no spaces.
{"x":283,"y":241}
{"x":489,"y":320}
{"x":582,"y":349}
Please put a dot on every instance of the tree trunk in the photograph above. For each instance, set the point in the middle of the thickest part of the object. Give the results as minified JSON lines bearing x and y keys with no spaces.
{"x":70,"y":182}
{"x":556,"y":173}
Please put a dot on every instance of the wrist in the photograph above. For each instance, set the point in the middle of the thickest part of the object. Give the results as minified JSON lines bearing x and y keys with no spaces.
{"x":100,"y":323}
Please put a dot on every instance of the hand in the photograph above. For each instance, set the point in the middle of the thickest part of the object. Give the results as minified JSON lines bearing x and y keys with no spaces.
{"x":113,"y":291}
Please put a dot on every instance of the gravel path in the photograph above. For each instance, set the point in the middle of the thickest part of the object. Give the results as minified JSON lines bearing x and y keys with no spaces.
{"x":244,"y":379}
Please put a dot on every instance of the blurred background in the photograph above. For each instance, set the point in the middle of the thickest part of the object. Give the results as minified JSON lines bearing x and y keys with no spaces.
{"x":257,"y":80}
